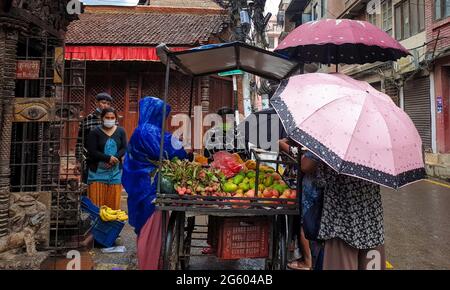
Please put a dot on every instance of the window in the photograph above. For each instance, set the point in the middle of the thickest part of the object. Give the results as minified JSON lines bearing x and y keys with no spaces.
{"x":441,"y":9}
{"x":406,"y":20}
{"x":421,"y":6}
{"x":409,"y":18}
{"x":386,"y":11}
{"x":372,"y":18}
{"x":398,"y":21}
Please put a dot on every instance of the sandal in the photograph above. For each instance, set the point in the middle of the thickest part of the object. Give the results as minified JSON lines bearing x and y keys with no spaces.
{"x":298,"y":266}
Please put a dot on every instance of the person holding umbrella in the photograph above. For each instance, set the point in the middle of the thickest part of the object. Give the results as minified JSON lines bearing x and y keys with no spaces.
{"x":352,"y":224}
{"x":366,"y":141}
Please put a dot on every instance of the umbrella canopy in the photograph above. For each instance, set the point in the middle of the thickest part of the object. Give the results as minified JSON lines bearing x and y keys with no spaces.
{"x":351,"y":126}
{"x":335,"y":41}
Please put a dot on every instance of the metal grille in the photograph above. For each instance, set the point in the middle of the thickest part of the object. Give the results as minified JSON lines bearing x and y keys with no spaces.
{"x":417,"y":106}
{"x":42,"y":152}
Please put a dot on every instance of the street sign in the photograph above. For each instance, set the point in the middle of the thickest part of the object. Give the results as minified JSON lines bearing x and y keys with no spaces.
{"x":231,"y":73}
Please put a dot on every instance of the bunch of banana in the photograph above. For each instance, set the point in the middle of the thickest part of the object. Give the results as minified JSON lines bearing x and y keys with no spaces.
{"x":108,"y":215}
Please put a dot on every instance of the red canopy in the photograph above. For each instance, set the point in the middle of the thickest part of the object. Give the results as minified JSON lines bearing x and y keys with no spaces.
{"x":114,"y":53}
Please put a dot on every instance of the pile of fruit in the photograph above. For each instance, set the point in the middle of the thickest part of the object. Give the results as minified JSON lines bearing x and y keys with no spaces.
{"x":108,"y":215}
{"x":190,"y":178}
{"x":270,"y":185}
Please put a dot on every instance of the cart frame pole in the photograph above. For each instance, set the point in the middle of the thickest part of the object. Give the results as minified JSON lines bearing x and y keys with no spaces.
{"x":161,"y":156}
{"x":163,"y":125}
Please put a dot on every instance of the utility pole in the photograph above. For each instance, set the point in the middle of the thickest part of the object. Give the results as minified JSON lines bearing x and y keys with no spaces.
{"x":248,"y":25}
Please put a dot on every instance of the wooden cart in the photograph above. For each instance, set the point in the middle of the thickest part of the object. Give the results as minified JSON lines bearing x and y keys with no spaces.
{"x":183,"y":211}
{"x":177,"y":239}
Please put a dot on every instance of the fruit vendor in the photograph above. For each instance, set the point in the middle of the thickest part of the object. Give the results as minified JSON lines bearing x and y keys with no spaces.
{"x":106,"y":145}
{"x":140,"y":163}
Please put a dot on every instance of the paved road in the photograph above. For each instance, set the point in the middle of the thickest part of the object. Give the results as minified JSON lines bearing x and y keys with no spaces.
{"x":417,"y":222}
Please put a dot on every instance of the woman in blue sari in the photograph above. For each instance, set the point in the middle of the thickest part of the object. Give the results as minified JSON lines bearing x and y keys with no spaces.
{"x":143,"y":151}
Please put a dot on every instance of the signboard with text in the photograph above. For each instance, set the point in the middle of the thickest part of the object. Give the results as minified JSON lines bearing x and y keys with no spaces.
{"x":28,"y":69}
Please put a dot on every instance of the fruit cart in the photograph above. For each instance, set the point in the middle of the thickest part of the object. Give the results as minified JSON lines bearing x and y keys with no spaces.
{"x":249,"y":223}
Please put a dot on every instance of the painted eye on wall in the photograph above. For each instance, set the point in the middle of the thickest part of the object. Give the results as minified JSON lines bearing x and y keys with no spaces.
{"x":33,"y":113}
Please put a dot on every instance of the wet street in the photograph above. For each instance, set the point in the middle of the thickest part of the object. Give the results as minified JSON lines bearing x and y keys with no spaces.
{"x":417,"y":222}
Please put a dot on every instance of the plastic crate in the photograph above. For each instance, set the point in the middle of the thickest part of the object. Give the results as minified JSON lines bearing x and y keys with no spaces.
{"x":105,"y":233}
{"x":243,"y":237}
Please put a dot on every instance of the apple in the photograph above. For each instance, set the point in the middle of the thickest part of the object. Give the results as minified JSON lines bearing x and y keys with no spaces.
{"x":276,"y":176}
{"x":293,"y":194}
{"x":250,"y":193}
{"x":267,"y":193}
{"x":275,"y":193}
{"x":287,"y":192}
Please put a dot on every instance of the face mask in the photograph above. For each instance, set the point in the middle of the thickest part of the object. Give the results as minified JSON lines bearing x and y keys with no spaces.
{"x":109,"y":123}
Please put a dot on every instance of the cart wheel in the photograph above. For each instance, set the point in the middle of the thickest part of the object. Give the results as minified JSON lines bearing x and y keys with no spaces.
{"x":187,"y":243}
{"x":171,"y":257}
{"x":279,"y":254}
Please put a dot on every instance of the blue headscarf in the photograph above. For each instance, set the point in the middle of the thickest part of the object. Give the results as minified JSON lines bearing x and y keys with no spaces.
{"x":143,"y":150}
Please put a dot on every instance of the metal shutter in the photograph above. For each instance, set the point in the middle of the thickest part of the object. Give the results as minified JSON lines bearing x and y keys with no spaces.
{"x":417,"y":106}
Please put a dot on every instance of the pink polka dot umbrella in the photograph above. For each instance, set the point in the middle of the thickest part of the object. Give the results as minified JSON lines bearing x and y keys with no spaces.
{"x":336,"y":41}
{"x":351,"y":126}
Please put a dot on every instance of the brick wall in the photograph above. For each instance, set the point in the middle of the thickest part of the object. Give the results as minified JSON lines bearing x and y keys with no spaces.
{"x":433,"y":27}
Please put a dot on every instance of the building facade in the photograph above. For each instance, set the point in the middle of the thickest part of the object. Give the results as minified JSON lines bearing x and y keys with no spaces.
{"x":419,"y":83}
{"x":437,"y":26}
{"x":118,"y":45}
{"x":33,"y":114}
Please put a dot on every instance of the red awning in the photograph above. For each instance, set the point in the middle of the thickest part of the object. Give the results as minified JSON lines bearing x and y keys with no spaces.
{"x":114,"y":53}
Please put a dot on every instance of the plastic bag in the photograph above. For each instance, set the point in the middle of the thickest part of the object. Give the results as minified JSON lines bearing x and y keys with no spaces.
{"x":227,"y":163}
